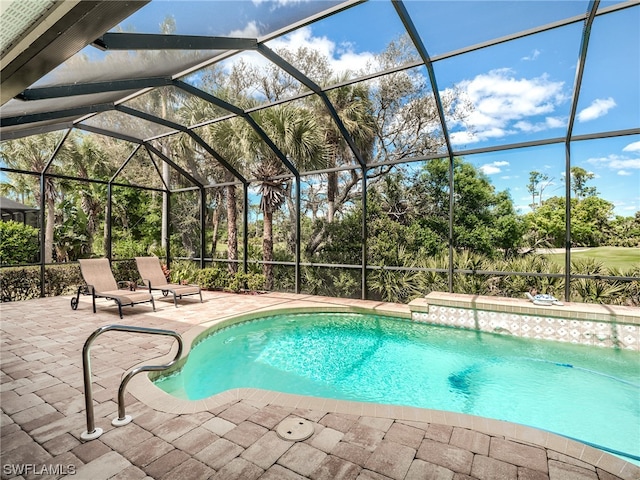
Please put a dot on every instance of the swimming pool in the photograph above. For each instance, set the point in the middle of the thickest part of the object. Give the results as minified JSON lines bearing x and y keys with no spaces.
{"x":588,"y":393}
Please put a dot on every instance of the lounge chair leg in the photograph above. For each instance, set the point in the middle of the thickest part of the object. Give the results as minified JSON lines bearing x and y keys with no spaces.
{"x":119,"y":308}
{"x":175,"y":303}
{"x":93,"y":296}
{"x":200,"y":292}
{"x":153,"y":304}
{"x":76,"y":299}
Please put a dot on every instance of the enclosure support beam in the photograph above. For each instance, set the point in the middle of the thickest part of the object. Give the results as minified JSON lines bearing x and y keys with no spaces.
{"x":311,"y":85}
{"x":363,"y":275}
{"x":42,"y":234}
{"x":265,"y":138}
{"x":108,"y":247}
{"x":43,"y":195}
{"x":152,"y":41}
{"x":166,"y":198}
{"x":298,"y":231}
{"x":203,"y":219}
{"x":582,"y":58}
{"x":417,"y":42}
{"x":245,"y":226}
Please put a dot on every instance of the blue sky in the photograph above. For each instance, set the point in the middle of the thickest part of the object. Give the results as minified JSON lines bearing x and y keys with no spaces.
{"x":521,"y":90}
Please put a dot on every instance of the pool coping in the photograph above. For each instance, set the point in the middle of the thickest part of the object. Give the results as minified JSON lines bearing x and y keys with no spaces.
{"x":607,"y":326}
{"x":142,"y":388}
{"x":579,"y":311}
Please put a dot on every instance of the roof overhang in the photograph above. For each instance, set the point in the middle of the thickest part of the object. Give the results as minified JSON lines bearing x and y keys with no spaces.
{"x":50,"y":33}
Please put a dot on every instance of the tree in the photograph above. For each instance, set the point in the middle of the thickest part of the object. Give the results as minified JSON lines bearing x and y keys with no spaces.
{"x":86,"y":158}
{"x":298,"y":136}
{"x":354,"y":108}
{"x":579,"y":179}
{"x":484,"y":221}
{"x":509,"y":227}
{"x":590,"y":221}
{"x":18,"y":243}
{"x":226,"y":139}
{"x":538,"y":182}
{"x":546,"y":225}
{"x":32,"y":154}
{"x":624,"y":231}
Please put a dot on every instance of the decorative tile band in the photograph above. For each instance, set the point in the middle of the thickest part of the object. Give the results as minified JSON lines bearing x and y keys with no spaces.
{"x":540,"y":326}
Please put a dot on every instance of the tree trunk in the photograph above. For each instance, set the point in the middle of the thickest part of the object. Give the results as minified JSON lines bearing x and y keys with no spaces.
{"x":232,"y":228}
{"x":217,"y":213}
{"x":292,"y":235}
{"x":91,"y":208}
{"x":49,"y":227}
{"x":332,"y":188}
{"x":166,"y":175}
{"x":105,"y":231}
{"x":267,"y":248}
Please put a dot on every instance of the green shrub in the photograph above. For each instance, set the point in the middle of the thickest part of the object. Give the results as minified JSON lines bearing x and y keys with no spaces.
{"x":255,"y":281}
{"x":19,"y":243}
{"x":23,"y":283}
{"x":213,"y":278}
{"x":62,"y":279}
{"x":125,"y":271}
{"x":241,"y":280}
{"x":19,"y":283}
{"x":183,"y":271}
{"x":393,"y":286}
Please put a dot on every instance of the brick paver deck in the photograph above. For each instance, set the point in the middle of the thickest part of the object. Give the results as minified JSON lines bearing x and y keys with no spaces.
{"x":43,"y":414}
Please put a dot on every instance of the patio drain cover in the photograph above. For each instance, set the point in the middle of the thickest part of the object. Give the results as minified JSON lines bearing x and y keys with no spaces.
{"x":294,"y":429}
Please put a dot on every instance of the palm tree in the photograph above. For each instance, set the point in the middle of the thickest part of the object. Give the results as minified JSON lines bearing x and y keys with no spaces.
{"x":223,"y":137}
{"x":298,"y":136}
{"x":354,"y":109}
{"x":86,"y":158}
{"x":32,"y":154}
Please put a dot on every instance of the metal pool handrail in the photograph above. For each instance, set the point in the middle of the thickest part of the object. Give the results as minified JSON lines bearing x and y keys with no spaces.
{"x":93,"y":432}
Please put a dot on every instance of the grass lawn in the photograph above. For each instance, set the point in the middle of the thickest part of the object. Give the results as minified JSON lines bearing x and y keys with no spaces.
{"x":612,"y":257}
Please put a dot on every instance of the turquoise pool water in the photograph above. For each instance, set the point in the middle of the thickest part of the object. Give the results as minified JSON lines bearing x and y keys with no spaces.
{"x":588,"y":393}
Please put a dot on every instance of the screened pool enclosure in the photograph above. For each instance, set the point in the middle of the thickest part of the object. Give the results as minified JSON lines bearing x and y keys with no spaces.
{"x":372,"y":149}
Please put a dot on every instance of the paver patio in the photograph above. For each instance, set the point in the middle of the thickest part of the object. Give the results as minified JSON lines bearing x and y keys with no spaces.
{"x":43,"y":413}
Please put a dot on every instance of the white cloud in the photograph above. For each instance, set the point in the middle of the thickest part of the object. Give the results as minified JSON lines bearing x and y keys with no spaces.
{"x":493,"y":168}
{"x":598,"y":108}
{"x":632,"y":147}
{"x":624,"y":173}
{"x":549,"y":122}
{"x":251,"y":30}
{"x":625,"y":163}
{"x":616,"y":162}
{"x":555,"y":122}
{"x":462,"y":138}
{"x":341,"y":57}
{"x":279,"y":3}
{"x":504,"y":105}
{"x":535,"y":54}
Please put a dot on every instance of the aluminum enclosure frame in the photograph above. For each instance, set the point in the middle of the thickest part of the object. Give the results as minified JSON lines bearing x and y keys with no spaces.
{"x":24,"y":125}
